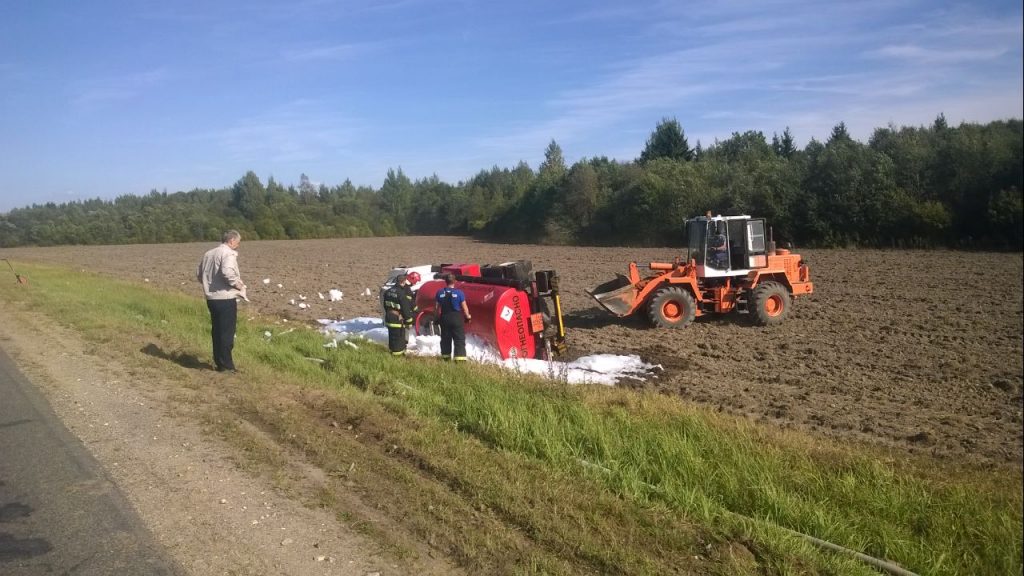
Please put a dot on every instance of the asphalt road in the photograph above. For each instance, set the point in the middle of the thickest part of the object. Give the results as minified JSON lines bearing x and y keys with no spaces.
{"x":59,"y":511}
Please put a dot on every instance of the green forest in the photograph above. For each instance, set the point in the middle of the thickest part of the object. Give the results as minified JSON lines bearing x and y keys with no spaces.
{"x":907,"y":187}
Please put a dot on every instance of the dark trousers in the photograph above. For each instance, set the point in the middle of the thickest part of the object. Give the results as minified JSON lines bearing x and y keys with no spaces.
{"x":453,"y":331}
{"x":396,"y":340}
{"x":223,"y":316}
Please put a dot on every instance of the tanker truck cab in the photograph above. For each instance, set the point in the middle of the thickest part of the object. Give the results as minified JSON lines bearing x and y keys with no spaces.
{"x":726,"y":246}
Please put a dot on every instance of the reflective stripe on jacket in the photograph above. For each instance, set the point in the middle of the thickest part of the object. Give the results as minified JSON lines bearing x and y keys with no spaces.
{"x":399,"y":306}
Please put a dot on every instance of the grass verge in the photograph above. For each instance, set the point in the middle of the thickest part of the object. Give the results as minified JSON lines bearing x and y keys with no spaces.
{"x":510,"y":474}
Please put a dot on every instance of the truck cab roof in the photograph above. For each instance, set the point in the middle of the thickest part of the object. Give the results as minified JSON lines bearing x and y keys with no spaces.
{"x":720,"y":218}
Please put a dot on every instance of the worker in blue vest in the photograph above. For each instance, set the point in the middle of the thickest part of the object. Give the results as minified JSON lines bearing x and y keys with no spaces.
{"x":453,"y":313}
{"x":400,"y":311}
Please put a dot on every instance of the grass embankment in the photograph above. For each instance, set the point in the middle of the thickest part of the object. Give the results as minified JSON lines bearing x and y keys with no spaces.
{"x":507,"y":474}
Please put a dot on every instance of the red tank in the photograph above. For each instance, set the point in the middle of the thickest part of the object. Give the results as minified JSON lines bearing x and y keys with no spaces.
{"x":501,"y":315}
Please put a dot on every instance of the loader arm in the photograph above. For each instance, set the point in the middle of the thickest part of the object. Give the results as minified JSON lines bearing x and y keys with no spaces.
{"x":626,"y":294}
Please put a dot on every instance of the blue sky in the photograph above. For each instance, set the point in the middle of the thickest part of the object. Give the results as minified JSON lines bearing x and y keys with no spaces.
{"x":105,"y":98}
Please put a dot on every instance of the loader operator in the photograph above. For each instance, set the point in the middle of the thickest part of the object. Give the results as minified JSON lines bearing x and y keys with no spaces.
{"x":718,"y":250}
{"x":400,"y":311}
{"x":452,"y":307}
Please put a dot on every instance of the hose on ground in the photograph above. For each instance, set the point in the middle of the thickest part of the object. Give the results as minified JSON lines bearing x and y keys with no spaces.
{"x":885,"y":565}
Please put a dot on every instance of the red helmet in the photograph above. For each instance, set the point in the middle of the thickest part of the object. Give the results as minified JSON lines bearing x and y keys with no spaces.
{"x":413,"y":277}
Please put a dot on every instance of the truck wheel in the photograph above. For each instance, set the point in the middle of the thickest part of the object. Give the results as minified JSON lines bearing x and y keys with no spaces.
{"x":770,"y":303}
{"x":672,"y":307}
{"x":426,"y":324}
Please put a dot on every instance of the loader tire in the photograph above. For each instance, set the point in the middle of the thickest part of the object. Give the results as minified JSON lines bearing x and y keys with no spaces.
{"x":770,"y":303}
{"x":672,"y":307}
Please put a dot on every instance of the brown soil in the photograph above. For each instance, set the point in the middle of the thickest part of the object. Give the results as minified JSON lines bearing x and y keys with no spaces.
{"x":918,"y":350}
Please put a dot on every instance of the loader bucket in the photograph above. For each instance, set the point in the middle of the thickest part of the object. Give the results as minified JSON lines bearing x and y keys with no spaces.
{"x":617,"y":296}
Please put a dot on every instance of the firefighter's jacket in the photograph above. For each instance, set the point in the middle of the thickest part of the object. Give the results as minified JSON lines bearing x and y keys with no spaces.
{"x":399,"y":306}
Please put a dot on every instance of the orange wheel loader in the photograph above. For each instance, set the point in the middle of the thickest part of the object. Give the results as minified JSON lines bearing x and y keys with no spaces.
{"x":731,"y":265}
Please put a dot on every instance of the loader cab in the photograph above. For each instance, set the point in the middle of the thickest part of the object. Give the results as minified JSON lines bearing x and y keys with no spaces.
{"x":725,"y":246}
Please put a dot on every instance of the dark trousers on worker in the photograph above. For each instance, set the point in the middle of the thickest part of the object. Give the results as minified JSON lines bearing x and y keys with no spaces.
{"x":223,"y":316}
{"x":396,"y":340}
{"x":453,"y":332}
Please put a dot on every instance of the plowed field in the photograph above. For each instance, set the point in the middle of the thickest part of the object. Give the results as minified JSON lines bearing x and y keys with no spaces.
{"x":919,"y":350}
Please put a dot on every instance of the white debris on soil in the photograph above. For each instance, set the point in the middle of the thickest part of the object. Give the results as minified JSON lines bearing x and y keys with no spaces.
{"x":604,"y":369}
{"x":334,"y":294}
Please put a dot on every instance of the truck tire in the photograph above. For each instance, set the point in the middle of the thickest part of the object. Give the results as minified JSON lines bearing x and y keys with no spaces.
{"x":770,"y":303}
{"x":426,"y":324}
{"x":672,"y":307}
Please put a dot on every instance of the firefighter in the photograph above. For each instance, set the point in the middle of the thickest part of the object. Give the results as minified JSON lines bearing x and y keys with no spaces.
{"x":400,"y":311}
{"x":454,"y":313}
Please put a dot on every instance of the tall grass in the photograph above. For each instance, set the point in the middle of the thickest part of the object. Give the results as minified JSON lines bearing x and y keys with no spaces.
{"x":576,"y":479}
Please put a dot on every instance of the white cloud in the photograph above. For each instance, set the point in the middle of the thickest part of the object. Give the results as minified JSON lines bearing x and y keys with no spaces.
{"x":743,"y":68}
{"x":298,"y":132}
{"x":331,"y":53}
{"x":100,"y":91}
{"x":916,"y":54}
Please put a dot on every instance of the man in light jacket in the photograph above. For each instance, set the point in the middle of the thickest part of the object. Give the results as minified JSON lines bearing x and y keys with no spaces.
{"x":222,"y":285}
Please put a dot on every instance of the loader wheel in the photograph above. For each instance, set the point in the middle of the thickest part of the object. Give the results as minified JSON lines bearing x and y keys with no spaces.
{"x":770,"y":303}
{"x":672,"y":308}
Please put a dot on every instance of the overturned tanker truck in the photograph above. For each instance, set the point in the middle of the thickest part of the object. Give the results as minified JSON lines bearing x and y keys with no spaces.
{"x":515,"y":310}
{"x":732,"y":264}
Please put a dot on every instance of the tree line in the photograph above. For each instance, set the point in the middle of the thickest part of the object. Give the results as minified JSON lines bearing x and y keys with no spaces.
{"x":934,"y":186}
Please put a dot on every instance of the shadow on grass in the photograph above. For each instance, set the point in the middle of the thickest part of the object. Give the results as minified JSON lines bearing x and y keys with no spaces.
{"x":184,"y":360}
